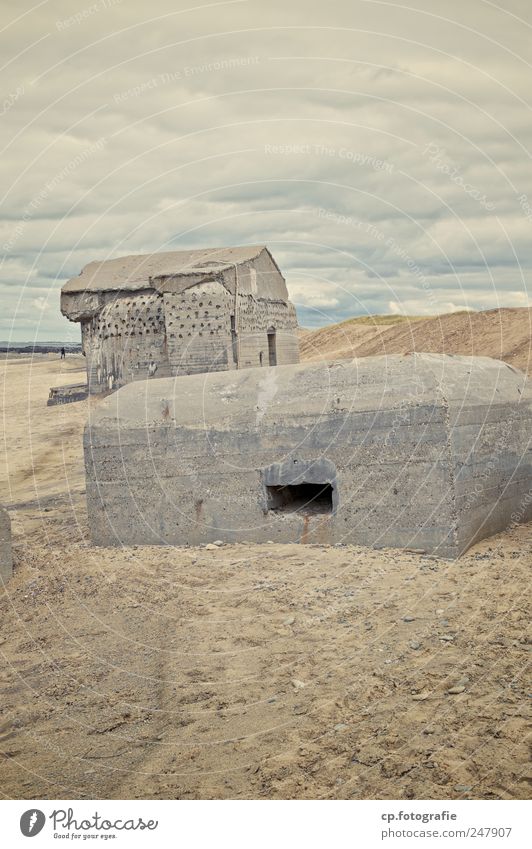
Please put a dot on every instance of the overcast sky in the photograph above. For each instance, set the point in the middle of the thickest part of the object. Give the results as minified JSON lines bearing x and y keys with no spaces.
{"x":382,"y":151}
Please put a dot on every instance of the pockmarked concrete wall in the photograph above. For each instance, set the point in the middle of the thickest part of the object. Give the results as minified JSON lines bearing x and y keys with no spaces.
{"x":6,"y":554}
{"x":180,"y":313}
{"x":423,"y":451}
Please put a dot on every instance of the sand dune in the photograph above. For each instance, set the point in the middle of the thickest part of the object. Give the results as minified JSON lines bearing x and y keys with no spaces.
{"x":504,"y":334}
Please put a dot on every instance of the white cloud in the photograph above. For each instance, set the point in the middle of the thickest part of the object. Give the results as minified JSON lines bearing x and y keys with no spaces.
{"x":41,"y":304}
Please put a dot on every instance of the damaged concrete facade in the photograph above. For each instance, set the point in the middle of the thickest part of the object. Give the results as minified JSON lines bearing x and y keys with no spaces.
{"x":425,"y":451}
{"x":178,"y":313}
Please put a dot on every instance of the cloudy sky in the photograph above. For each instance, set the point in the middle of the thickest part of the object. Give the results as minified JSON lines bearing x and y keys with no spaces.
{"x":381,"y":150}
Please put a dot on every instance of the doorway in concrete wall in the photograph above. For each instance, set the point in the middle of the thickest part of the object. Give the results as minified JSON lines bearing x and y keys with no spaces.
{"x":234,"y":340}
{"x":272,"y":347}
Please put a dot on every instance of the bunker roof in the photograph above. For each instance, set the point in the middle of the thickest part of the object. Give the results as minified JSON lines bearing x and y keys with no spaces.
{"x":292,"y":393}
{"x":136,"y":271}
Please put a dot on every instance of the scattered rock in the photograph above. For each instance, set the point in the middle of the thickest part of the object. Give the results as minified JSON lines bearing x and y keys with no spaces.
{"x":414,"y":645}
{"x":463,"y":788}
{"x":341,"y":726}
{"x":421,"y":697}
{"x":218,"y":542}
{"x":297,"y":684}
{"x":300,"y":709}
{"x":447,"y":638}
{"x":211,"y":546}
{"x":289,"y":620}
{"x":408,"y":618}
{"x":454,"y":691}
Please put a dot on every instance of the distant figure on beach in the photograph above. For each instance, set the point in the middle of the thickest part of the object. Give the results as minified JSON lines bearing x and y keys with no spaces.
{"x":62,"y":353}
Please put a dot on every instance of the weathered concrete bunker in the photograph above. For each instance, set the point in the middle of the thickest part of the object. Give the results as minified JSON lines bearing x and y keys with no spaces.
{"x":424,"y":451}
{"x":182,"y":312}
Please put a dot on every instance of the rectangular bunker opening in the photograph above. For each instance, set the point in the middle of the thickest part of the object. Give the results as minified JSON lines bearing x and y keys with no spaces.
{"x":315,"y":498}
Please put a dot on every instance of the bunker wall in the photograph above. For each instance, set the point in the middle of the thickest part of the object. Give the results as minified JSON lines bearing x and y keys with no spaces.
{"x":179,"y":486}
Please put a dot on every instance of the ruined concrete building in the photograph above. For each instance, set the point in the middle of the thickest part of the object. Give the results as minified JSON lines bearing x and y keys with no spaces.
{"x":184,"y":312}
{"x":425,"y":451}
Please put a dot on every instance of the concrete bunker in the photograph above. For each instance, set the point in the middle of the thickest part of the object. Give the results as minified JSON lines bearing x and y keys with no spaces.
{"x":424,"y":451}
{"x":181,"y":312}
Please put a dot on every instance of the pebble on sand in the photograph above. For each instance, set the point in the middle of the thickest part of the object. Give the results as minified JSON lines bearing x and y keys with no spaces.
{"x":420,"y":697}
{"x":454,"y":691}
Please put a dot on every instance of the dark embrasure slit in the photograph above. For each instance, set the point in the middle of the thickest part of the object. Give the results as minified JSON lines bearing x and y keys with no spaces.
{"x":304,"y":497}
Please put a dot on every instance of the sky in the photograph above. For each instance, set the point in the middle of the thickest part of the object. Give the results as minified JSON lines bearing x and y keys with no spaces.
{"x":381,"y":150}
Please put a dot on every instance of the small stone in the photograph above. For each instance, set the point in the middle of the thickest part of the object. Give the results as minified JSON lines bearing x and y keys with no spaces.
{"x":420,"y":697}
{"x":297,"y":684}
{"x":408,"y":618}
{"x":211,"y":546}
{"x":414,"y":645}
{"x":447,"y":638}
{"x":289,"y":620}
{"x":341,"y":726}
{"x":271,"y":700}
{"x":454,"y":691}
{"x":440,"y":612}
{"x":218,"y":542}
{"x":300,"y":709}
{"x":270,"y":542}
{"x":462,"y":788}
